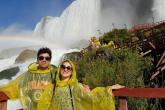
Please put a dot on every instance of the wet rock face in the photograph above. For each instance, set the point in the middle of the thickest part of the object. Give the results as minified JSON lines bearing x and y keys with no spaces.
{"x":72,"y":56}
{"x":26,"y":55}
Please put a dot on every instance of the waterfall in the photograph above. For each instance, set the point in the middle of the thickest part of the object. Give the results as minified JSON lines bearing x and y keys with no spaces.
{"x":158,"y":10}
{"x":77,"y":23}
{"x":84,"y":19}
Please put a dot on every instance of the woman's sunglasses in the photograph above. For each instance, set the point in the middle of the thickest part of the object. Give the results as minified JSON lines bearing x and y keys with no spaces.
{"x":42,"y":58}
{"x":67,"y":67}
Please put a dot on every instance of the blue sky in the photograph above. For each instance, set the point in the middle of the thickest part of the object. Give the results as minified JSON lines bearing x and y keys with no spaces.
{"x":28,"y":12}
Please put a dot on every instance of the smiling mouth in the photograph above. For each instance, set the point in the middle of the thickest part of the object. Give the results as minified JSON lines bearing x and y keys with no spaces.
{"x":65,"y":72}
{"x":43,"y":62}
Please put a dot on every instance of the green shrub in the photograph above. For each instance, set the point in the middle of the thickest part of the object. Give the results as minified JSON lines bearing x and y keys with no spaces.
{"x":126,"y":67}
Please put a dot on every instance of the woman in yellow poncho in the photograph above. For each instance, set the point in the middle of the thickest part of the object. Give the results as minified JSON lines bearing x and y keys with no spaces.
{"x":68,"y":94}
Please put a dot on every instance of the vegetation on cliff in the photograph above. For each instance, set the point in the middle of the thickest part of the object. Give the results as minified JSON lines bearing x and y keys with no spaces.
{"x":110,"y":59}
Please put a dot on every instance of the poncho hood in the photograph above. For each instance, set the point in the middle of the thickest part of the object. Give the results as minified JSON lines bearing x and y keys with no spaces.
{"x":34,"y":68}
{"x":72,"y":80}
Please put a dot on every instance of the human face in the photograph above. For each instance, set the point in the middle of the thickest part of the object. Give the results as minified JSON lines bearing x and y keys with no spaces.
{"x":65,"y":71}
{"x":44,"y":61}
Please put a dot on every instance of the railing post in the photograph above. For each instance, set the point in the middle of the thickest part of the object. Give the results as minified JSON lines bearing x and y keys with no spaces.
{"x":123,"y":103}
{"x":3,"y":101}
{"x":3,"y":105}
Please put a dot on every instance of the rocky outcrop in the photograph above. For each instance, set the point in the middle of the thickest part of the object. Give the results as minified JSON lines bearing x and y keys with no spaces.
{"x":26,"y":55}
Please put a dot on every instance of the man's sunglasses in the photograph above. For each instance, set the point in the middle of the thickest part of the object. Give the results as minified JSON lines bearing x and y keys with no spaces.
{"x":42,"y":58}
{"x":67,"y":67}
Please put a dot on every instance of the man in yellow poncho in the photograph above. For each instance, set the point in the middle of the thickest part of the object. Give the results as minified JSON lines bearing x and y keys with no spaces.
{"x":68,"y":94}
{"x":29,"y":86}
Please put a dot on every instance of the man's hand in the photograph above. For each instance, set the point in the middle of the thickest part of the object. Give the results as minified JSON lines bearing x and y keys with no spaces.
{"x":114,"y":87}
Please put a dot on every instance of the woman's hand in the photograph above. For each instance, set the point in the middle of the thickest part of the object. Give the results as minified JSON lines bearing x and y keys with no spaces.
{"x":117,"y":86}
{"x":86,"y":89}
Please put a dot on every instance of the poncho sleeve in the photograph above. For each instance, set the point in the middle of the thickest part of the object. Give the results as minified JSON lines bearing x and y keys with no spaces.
{"x":82,"y":99}
{"x":12,"y":88}
{"x":102,"y":99}
{"x":98,"y":99}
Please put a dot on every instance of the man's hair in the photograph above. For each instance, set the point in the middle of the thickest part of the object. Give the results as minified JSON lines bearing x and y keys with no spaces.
{"x":44,"y":50}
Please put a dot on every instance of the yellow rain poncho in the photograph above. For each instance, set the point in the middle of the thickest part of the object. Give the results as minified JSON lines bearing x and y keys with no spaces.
{"x":29,"y":86}
{"x":70,"y":95}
